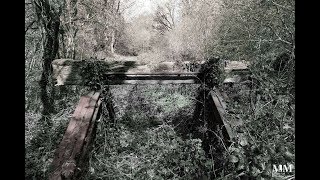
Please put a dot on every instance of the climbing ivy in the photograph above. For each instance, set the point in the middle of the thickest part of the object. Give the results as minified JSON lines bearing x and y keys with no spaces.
{"x":210,"y":73}
{"x":93,"y":74}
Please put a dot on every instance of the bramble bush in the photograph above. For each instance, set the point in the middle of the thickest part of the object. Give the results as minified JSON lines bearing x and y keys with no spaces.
{"x":263,"y":33}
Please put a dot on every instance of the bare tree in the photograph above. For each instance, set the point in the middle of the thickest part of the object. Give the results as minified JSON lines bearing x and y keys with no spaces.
{"x":104,"y":19}
{"x":165,"y":18}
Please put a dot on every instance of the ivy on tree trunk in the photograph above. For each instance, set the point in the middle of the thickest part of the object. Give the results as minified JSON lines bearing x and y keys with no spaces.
{"x":49,"y":19}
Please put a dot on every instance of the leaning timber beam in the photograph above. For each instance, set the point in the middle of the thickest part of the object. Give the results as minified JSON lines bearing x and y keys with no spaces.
{"x":72,"y":151}
{"x":218,"y":118}
{"x":217,"y":115}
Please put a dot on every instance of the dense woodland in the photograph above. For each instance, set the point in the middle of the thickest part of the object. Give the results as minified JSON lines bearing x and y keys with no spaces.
{"x":150,"y":138}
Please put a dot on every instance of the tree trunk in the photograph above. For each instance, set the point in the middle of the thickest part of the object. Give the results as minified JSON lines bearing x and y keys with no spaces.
{"x":74,"y":44}
{"x":63,"y":50}
{"x":70,"y":27}
{"x":50,"y":23}
{"x":112,"y":41}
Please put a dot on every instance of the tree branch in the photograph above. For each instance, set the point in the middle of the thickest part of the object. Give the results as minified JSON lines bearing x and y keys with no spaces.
{"x":28,"y":27}
{"x":283,"y":7}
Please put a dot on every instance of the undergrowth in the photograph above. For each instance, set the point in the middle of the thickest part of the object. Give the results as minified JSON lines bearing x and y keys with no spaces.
{"x":143,"y":143}
{"x":154,"y":135}
{"x":42,"y":135}
{"x":266,"y":108}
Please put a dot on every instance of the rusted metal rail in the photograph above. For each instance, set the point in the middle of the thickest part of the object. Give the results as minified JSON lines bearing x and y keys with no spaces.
{"x":152,"y":78}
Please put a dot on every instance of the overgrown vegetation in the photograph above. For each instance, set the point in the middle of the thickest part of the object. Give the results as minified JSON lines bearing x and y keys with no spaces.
{"x":263,"y":32}
{"x":144,"y":143}
{"x":155,"y":135}
{"x":42,"y":137}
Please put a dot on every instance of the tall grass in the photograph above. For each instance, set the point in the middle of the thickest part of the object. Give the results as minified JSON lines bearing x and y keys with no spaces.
{"x":144,"y":142}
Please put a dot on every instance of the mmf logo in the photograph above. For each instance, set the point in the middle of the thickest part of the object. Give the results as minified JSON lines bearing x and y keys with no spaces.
{"x":282,"y":168}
